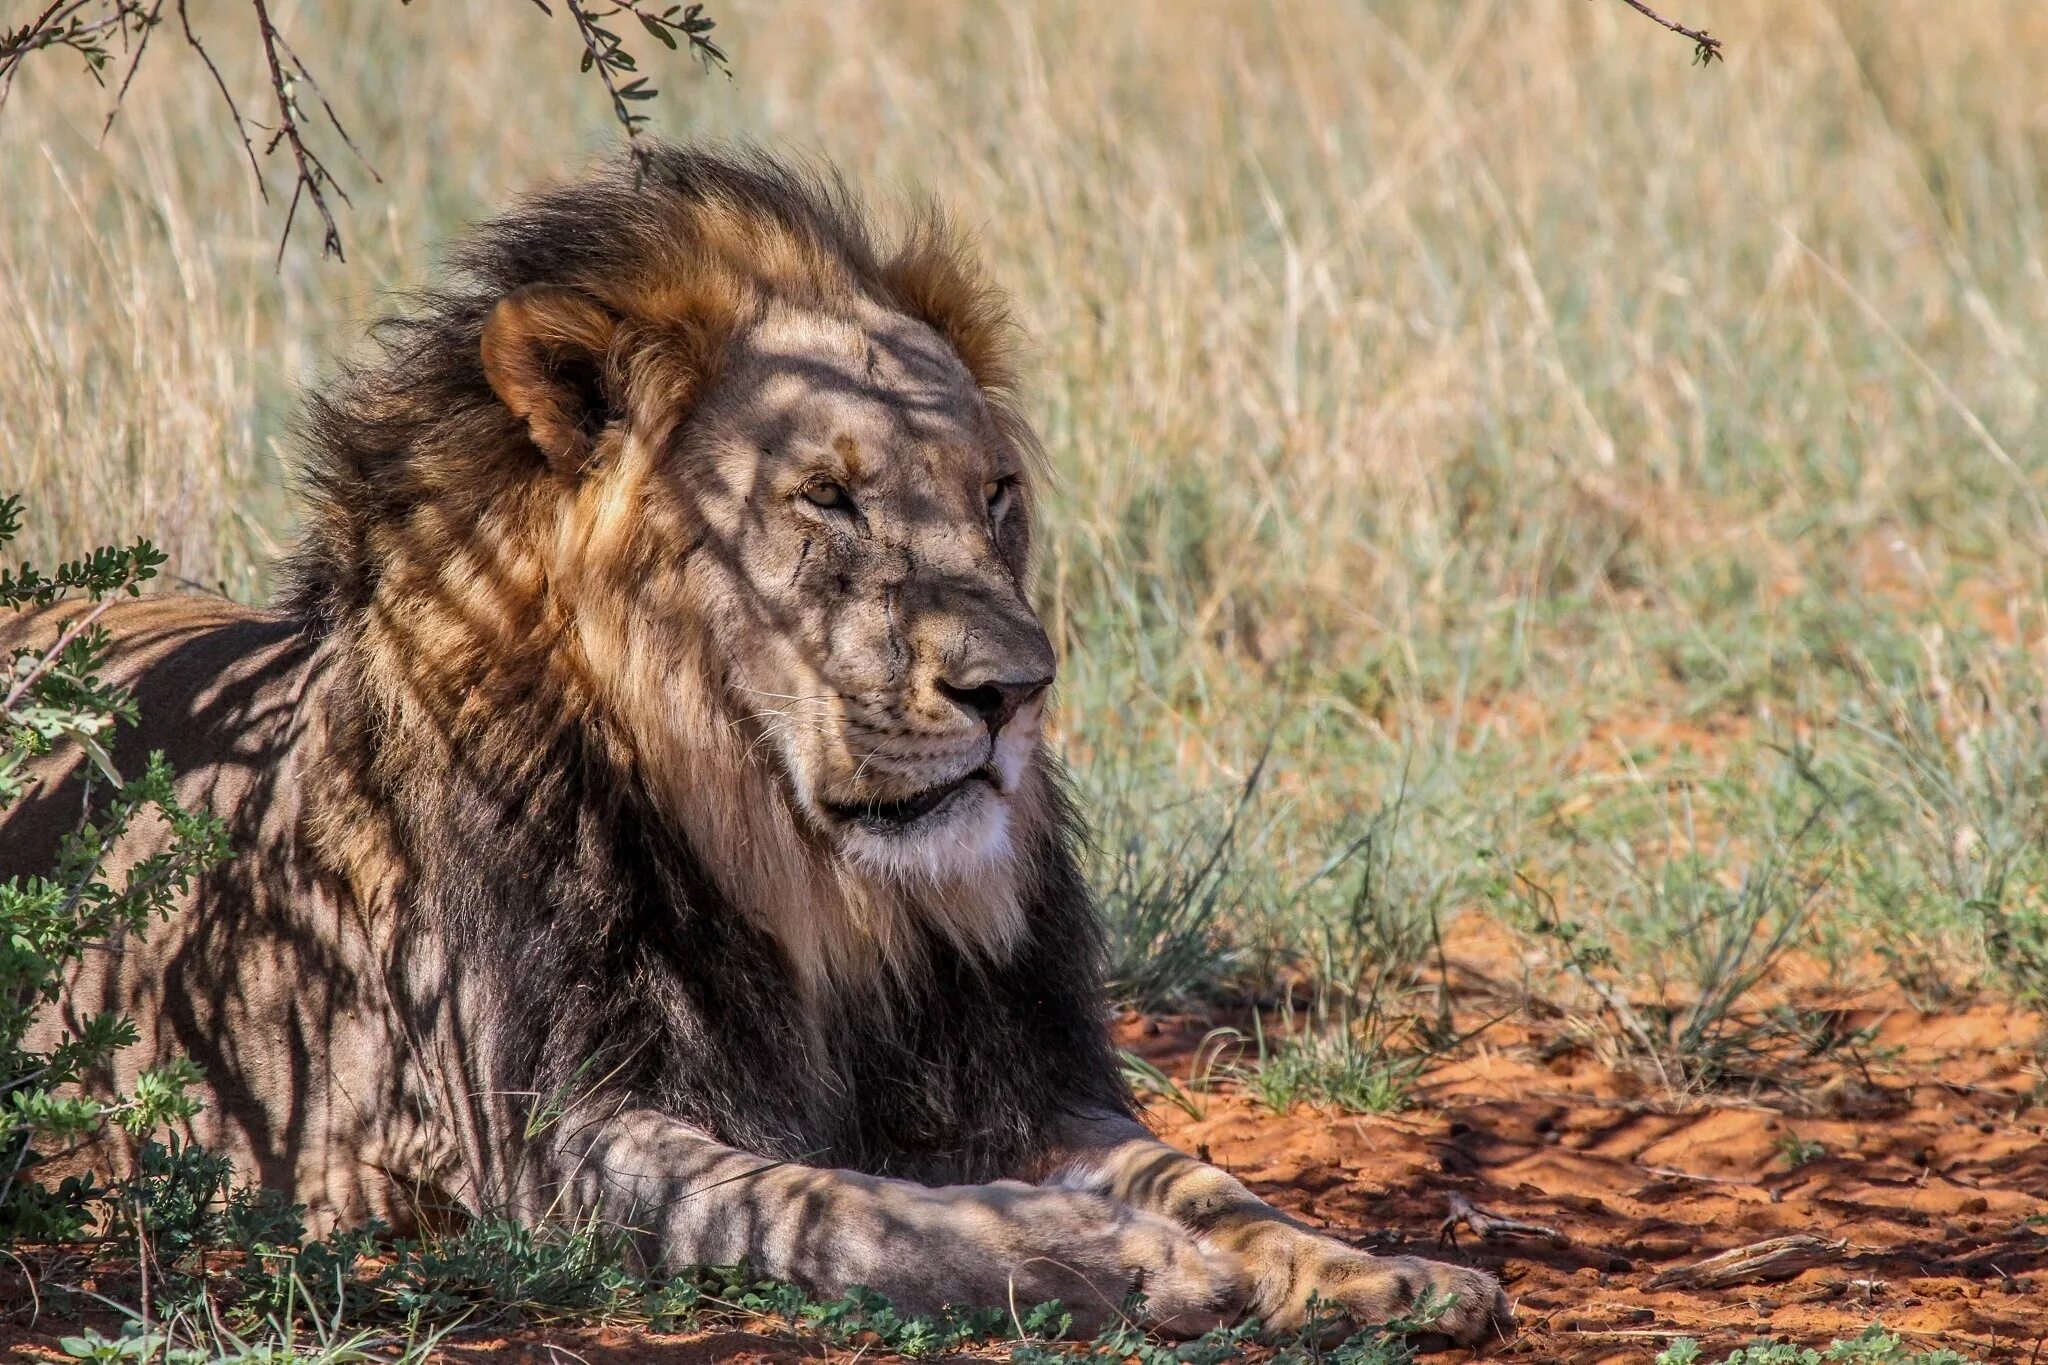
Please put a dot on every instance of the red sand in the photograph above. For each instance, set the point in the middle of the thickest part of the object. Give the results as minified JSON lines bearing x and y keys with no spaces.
{"x":1935,"y":1175}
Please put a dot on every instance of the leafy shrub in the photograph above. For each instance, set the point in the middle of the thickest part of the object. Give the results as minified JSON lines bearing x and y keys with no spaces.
{"x":52,"y":698}
{"x":1874,"y":1346}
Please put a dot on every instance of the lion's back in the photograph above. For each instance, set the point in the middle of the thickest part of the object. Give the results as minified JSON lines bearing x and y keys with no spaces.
{"x":258,"y":977}
{"x":213,"y":683}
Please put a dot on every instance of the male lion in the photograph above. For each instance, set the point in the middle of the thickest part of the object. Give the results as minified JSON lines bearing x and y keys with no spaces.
{"x":639,"y":797}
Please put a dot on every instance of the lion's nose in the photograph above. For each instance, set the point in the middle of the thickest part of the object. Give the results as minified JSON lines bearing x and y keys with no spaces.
{"x":994,"y":700}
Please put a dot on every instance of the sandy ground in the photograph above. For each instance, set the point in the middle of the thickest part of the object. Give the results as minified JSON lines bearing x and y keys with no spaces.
{"x":1934,"y":1181}
{"x":1930,"y":1173}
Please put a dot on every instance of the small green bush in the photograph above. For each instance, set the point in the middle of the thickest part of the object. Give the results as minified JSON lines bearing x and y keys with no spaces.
{"x":49,"y":699}
{"x":1874,"y":1346}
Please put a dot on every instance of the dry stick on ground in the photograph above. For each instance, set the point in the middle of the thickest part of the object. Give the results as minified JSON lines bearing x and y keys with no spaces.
{"x":1779,"y":1258}
{"x":1672,"y":1173}
{"x":1487,"y":1224}
{"x":1705,"y":50}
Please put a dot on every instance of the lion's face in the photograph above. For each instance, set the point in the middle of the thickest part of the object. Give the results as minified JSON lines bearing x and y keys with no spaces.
{"x":788,"y":519}
{"x":840,"y":526}
{"x":865,"y":533}
{"x":738,"y":515}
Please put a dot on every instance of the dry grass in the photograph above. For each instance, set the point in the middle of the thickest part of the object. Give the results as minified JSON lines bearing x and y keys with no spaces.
{"x":1472,"y":396}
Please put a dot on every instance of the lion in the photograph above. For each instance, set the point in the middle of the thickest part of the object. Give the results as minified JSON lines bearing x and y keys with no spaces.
{"x":639,"y":792}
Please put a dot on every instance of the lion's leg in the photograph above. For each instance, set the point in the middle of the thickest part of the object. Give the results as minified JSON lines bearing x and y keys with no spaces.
{"x":695,"y":1202}
{"x":1286,"y":1262}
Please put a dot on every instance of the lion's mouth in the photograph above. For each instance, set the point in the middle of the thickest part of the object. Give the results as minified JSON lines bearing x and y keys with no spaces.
{"x":894,"y":817}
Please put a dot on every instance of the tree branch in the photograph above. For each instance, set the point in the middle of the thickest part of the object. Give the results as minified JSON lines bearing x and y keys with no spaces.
{"x":234,"y":112}
{"x":148,"y":24}
{"x":1705,"y":50}
{"x":88,"y":27}
{"x":59,"y":25}
{"x":605,"y":52}
{"x":313,"y":180}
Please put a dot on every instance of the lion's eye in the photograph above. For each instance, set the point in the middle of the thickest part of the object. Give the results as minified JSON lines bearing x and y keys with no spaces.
{"x":999,"y":493}
{"x":827,"y":495}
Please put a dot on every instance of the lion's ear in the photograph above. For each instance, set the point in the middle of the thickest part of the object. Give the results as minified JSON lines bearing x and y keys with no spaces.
{"x":547,"y":356}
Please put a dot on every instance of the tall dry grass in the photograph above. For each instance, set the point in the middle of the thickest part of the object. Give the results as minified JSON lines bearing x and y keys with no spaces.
{"x":1472,"y":391}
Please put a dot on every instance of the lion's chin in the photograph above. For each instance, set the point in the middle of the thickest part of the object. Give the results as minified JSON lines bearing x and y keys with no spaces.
{"x":905,"y":816}
{"x":947,"y":832}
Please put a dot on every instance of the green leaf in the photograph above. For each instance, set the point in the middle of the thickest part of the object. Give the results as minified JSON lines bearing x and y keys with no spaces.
{"x":658,"y":30}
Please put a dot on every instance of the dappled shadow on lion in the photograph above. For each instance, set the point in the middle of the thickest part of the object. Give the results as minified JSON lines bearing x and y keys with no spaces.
{"x":639,"y":793}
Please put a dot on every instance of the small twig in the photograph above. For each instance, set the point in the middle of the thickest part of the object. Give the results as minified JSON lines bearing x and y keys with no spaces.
{"x":13,"y":1173}
{"x":1487,"y":1225}
{"x":28,"y":1277}
{"x":313,"y":177}
{"x":605,"y":52}
{"x":51,"y":28}
{"x":1706,"y":50}
{"x":234,"y":111}
{"x":1778,"y":1258}
{"x":147,"y":24}
{"x":603,"y":58}
{"x":2012,"y":1242}
{"x":1676,"y":1105}
{"x":38,"y":32}
{"x":305,"y":74}
{"x":56,"y":651}
{"x":1672,"y":1173}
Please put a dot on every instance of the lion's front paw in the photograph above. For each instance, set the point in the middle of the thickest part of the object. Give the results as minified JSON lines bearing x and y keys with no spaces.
{"x":1289,"y":1268}
{"x":1024,"y":1245}
{"x":1187,"y":1287}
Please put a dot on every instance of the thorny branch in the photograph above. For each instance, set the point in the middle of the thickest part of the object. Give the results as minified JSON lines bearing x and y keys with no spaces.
{"x":148,"y":23}
{"x":95,"y":29}
{"x":1705,"y":50}
{"x":72,"y":24}
{"x":287,"y":72}
{"x":227,"y":96}
{"x":605,"y":53}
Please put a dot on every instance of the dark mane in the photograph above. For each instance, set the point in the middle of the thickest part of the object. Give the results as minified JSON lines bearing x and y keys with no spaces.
{"x":620,"y":969}
{"x":693,"y":238}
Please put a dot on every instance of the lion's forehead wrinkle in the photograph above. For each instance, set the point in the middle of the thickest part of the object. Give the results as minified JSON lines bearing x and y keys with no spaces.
{"x":849,"y":453}
{"x":857,"y":393}
{"x":725,"y":486}
{"x":868,"y":342}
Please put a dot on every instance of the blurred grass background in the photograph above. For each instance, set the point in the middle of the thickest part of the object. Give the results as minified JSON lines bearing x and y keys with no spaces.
{"x":1609,"y":493}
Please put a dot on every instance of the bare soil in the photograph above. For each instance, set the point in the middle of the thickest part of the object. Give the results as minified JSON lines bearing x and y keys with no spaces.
{"x":1930,"y":1172}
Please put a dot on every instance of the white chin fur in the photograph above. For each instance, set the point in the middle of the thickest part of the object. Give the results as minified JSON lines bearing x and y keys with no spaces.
{"x":1013,"y":754}
{"x":967,"y":836}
